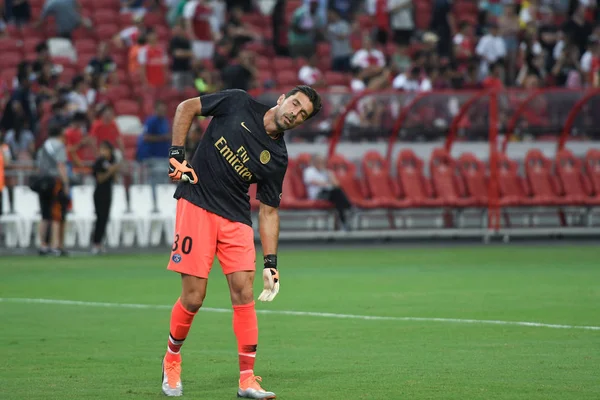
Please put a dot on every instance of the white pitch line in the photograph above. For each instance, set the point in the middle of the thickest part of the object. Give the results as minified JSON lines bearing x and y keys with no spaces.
{"x":301,"y":313}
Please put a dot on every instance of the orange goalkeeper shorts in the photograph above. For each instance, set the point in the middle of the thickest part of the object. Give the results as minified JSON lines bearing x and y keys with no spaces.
{"x":200,"y":235}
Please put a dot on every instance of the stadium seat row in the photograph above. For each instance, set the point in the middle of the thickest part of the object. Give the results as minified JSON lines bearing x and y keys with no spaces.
{"x":457,"y":184}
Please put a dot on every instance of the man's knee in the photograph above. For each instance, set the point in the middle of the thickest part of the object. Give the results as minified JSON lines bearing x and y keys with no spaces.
{"x":240,"y":287}
{"x":193,"y":293}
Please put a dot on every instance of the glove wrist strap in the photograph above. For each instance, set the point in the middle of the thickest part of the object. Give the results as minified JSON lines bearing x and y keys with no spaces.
{"x":271,"y":261}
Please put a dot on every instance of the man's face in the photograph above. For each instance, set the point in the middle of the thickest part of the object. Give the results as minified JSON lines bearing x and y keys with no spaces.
{"x":292,"y":111}
{"x":319,"y":161}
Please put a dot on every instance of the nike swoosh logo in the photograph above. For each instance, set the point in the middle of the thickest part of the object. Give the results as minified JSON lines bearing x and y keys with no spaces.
{"x":245,"y":127}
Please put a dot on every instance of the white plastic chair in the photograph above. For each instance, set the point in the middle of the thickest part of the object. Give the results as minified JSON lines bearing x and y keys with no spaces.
{"x":121,"y":225}
{"x":27,"y":208}
{"x":83,"y":214}
{"x":129,"y":125}
{"x":167,"y":208}
{"x":149,"y":226}
{"x":10,"y":222}
{"x":60,"y":47}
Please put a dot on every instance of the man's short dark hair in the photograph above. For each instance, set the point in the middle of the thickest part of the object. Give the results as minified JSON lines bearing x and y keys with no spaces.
{"x":41,"y":46}
{"x":55,"y":130}
{"x":312,"y":95}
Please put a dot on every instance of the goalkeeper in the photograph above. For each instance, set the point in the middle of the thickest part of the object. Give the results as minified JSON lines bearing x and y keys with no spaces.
{"x":243,"y":144}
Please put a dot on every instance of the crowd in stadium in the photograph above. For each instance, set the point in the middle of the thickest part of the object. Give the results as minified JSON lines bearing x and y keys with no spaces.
{"x":141,"y":57}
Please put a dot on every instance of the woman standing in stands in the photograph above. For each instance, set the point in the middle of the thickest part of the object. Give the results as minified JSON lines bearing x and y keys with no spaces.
{"x":104,"y":171}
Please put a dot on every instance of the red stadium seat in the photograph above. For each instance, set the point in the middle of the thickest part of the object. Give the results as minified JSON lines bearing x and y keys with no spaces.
{"x":512,"y":188}
{"x":154,"y":19}
{"x":10,"y":60}
{"x":378,"y":183}
{"x":127,"y":107}
{"x":105,"y":16}
{"x":412,"y":182}
{"x":446,"y":184}
{"x":286,"y":78}
{"x":335,"y":78}
{"x":283,"y":63}
{"x":345,"y":172}
{"x":473,"y":173}
{"x":263,"y":63}
{"x":86,"y":46}
{"x":576,"y":186}
{"x":592,"y":168}
{"x":106,"y":31}
{"x":543,"y":185}
{"x":9,"y":45}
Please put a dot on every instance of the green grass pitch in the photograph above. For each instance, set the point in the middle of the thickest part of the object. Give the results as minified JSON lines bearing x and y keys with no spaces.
{"x":80,"y":351}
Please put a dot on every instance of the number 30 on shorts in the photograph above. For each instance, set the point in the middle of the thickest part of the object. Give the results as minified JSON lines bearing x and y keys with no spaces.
{"x":186,"y":244}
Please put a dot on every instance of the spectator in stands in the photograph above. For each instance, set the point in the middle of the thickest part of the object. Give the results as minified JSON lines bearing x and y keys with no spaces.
{"x":322,"y":184}
{"x":60,"y":113}
{"x":21,"y":141}
{"x":20,"y":105}
{"x":197,"y":15}
{"x":204,"y":81}
{"x":46,"y":82}
{"x":548,"y":35}
{"x":133,"y":64}
{"x":338,"y":32}
{"x":54,"y":193}
{"x":401,"y":20}
{"x":400,"y":61}
{"x":80,"y":147}
{"x":577,"y":28}
{"x":310,"y":74}
{"x":533,"y":72}
{"x":471,"y":80}
{"x":154,"y":62}
{"x":42,"y":56}
{"x":344,"y":8}
{"x":180,"y":50}
{"x":104,"y":129}
{"x":66,"y":14}
{"x":280,"y":36}
{"x":240,"y":73}
{"x":18,"y":11}
{"x":102,"y":66}
{"x":238,"y":31}
{"x":508,"y":25}
{"x":491,"y":48}
{"x":105,"y":168}
{"x":136,"y":7}
{"x":304,"y":26}
{"x":80,"y":100}
{"x":494,"y":79}
{"x":412,"y":81}
{"x":464,"y":43}
{"x":371,"y":64}
{"x":590,"y":62}
{"x":156,"y":141}
{"x":443,"y":25}
{"x":566,"y":70}
{"x":128,"y":36}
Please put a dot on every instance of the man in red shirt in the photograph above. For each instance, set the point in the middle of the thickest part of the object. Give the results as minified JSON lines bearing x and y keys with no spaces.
{"x":153,"y":61}
{"x":105,"y":129}
{"x":197,"y":15}
{"x":79,"y":147}
{"x":493,"y":81}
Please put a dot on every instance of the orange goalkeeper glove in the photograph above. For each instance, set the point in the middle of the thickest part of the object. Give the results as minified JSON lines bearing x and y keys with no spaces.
{"x":270,"y":279}
{"x":179,"y":169}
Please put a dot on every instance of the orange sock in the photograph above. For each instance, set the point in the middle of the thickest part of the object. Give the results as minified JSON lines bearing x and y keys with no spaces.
{"x":181,"y":321}
{"x":245,"y":327}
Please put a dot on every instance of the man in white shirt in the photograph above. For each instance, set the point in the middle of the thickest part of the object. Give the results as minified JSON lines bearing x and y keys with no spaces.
{"x":370,"y":63}
{"x":490,"y":48}
{"x":311,"y":75}
{"x":321,"y":184}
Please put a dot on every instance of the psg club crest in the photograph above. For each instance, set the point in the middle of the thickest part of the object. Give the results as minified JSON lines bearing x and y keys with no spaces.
{"x":176,"y":258}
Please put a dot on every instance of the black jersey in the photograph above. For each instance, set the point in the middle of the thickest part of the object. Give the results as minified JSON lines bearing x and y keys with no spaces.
{"x":234,"y":152}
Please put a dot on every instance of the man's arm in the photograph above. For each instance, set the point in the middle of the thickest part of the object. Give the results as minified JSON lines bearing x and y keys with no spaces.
{"x":185,"y":114}
{"x":268,"y":226}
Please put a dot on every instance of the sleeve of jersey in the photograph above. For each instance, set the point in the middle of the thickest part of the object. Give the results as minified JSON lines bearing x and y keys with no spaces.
{"x":222,"y":103}
{"x":269,"y":191}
